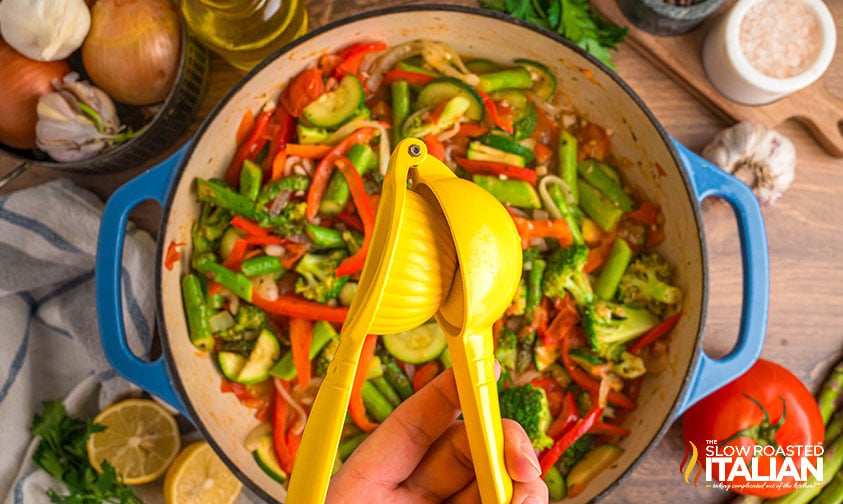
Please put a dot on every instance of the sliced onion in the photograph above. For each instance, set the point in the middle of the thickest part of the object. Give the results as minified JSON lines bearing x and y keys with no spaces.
{"x":274,"y":250}
{"x":234,"y":305}
{"x":540,"y":214}
{"x":410,"y":371}
{"x":549,"y":204}
{"x":526,"y":377}
{"x":220,"y":321}
{"x":280,"y":202}
{"x":546,"y":107}
{"x":444,"y":59}
{"x":301,"y":415}
{"x":253,"y":438}
{"x":449,"y":133}
{"x":376,"y":67}
{"x":265,"y":287}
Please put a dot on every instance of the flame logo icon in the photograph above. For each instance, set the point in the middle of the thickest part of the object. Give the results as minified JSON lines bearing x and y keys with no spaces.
{"x":692,"y":463}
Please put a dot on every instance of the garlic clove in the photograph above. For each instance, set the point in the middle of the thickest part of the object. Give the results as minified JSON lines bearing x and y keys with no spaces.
{"x":762,"y":158}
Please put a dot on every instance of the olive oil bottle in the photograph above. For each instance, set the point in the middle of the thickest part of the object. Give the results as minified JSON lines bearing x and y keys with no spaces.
{"x":244,"y":32}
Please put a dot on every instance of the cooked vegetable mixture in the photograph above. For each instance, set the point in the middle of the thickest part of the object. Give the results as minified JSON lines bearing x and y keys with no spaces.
{"x":281,"y":239}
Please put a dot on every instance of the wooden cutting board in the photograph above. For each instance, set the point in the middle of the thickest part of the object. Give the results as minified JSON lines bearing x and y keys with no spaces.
{"x":680,"y":57}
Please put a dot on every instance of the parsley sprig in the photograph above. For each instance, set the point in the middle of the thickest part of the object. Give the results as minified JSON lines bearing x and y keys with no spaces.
{"x":570,"y":18}
{"x":63,"y":454}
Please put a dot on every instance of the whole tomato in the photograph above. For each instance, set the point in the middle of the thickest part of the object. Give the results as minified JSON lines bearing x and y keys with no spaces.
{"x":766,"y":406}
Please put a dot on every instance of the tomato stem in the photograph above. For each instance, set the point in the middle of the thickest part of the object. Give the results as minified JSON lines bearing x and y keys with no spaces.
{"x":763,"y":433}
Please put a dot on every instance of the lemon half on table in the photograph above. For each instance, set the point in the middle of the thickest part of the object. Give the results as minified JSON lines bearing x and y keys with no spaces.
{"x":198,"y":476}
{"x":140,"y":440}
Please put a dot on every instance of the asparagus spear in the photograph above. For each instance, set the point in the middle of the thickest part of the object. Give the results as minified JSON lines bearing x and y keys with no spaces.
{"x":830,"y":398}
{"x":833,"y":491}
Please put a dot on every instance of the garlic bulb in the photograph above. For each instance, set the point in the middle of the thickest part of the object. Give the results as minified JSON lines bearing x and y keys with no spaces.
{"x":77,"y":121}
{"x":762,"y":158}
{"x":44,"y":30}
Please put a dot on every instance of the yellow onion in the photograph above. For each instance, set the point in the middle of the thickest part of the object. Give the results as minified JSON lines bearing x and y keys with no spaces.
{"x":133,"y":48}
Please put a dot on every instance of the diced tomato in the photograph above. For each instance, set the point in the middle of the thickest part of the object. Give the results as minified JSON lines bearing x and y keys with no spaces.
{"x":303,"y":89}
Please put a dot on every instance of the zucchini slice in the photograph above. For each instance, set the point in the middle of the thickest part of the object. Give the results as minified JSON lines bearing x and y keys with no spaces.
{"x":265,"y":354}
{"x":544,"y":82}
{"x":417,"y":346}
{"x":480,"y":66}
{"x":230,"y":364}
{"x":503,"y":143}
{"x":444,"y":88}
{"x":481,"y":152}
{"x":267,"y":460}
{"x":334,"y":108}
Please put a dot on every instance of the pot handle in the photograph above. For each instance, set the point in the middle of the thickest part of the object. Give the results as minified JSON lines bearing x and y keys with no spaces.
{"x":153,"y":184}
{"x":709,"y":180}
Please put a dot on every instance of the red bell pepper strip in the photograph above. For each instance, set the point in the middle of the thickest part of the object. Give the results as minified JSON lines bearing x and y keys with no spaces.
{"x":425,"y":375}
{"x":265,"y":240}
{"x":314,"y":151}
{"x":354,"y":263}
{"x":607,"y":429}
{"x":350,"y":220}
{"x":293,"y":442}
{"x":566,"y":419}
{"x":279,"y":426}
{"x":570,"y":437}
{"x":296,"y":307}
{"x":246,"y":125}
{"x":278,"y":164}
{"x":496,"y":168}
{"x":303,"y":89}
{"x":285,"y":125}
{"x":355,"y":404}
{"x":646,"y":213}
{"x":556,"y":228}
{"x":250,"y":146}
{"x":173,"y":255}
{"x":235,"y":257}
{"x":471,"y":130}
{"x":249,"y":226}
{"x":214,"y":288}
{"x":654,"y":333}
{"x":294,"y":252}
{"x":492,"y":111}
{"x":323,"y":171}
{"x":543,"y":152}
{"x":434,"y":147}
{"x":301,"y":333}
{"x":413,"y":78}
{"x":588,"y":383}
{"x":353,"y":55}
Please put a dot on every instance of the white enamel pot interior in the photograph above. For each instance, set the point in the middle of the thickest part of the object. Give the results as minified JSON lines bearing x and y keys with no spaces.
{"x":599,"y":95}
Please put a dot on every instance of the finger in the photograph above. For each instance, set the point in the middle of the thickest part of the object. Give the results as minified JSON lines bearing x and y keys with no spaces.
{"x":468,"y":495}
{"x":446,"y":468}
{"x":395,"y":448}
{"x":531,"y":492}
{"x":519,"y":455}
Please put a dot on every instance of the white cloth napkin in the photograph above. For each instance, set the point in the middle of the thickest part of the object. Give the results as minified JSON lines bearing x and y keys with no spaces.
{"x":49,"y":340}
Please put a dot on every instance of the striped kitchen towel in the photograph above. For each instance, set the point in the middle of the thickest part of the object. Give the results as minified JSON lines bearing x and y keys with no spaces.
{"x":49,"y":338}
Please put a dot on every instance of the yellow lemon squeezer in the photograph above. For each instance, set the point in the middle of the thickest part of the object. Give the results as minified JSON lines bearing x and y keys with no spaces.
{"x":442,"y":247}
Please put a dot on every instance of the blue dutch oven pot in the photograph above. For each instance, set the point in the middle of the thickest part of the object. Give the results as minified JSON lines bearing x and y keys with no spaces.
{"x":667,"y":172}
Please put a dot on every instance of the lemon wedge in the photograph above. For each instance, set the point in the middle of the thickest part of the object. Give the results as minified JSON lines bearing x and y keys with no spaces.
{"x":198,"y":476}
{"x":141,"y":439}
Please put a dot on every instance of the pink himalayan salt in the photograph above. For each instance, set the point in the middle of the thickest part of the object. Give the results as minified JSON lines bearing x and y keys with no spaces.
{"x":781,"y":38}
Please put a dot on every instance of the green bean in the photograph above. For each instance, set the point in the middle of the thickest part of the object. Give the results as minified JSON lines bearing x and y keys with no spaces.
{"x":250,"y":180}
{"x":217,"y":193}
{"x":610,"y":277}
{"x":376,"y":404}
{"x":558,"y":198}
{"x":198,"y":313}
{"x":237,"y":283}
{"x":597,"y":177}
{"x":568,"y":163}
{"x":395,"y":376}
{"x":261,"y":265}
{"x":598,"y":208}
{"x":347,"y":446}
{"x":386,"y":389}
{"x":534,"y":285}
{"x":400,"y":107}
{"x":337,"y":193}
{"x":324,"y":237}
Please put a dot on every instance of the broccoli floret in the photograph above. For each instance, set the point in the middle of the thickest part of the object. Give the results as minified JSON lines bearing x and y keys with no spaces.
{"x":506,"y":351}
{"x":565,"y":272}
{"x":529,"y":255}
{"x":574,"y":453}
{"x":250,"y":320}
{"x":289,"y":221}
{"x":243,"y":347}
{"x":609,"y":326}
{"x":207,"y":231}
{"x":646,"y":284}
{"x":527,"y":405}
{"x":317,"y":280}
{"x":323,"y":360}
{"x":271,"y":191}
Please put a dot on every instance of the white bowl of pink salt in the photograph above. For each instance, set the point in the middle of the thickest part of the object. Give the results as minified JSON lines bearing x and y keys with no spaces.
{"x":763,"y":50}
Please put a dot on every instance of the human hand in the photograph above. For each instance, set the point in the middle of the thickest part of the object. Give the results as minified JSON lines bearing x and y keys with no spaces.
{"x":420,"y":454}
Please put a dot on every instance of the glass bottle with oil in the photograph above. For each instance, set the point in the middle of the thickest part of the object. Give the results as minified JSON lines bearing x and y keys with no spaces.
{"x":244,"y":32}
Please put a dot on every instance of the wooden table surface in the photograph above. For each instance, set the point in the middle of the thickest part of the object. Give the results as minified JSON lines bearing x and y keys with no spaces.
{"x":805,"y":331}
